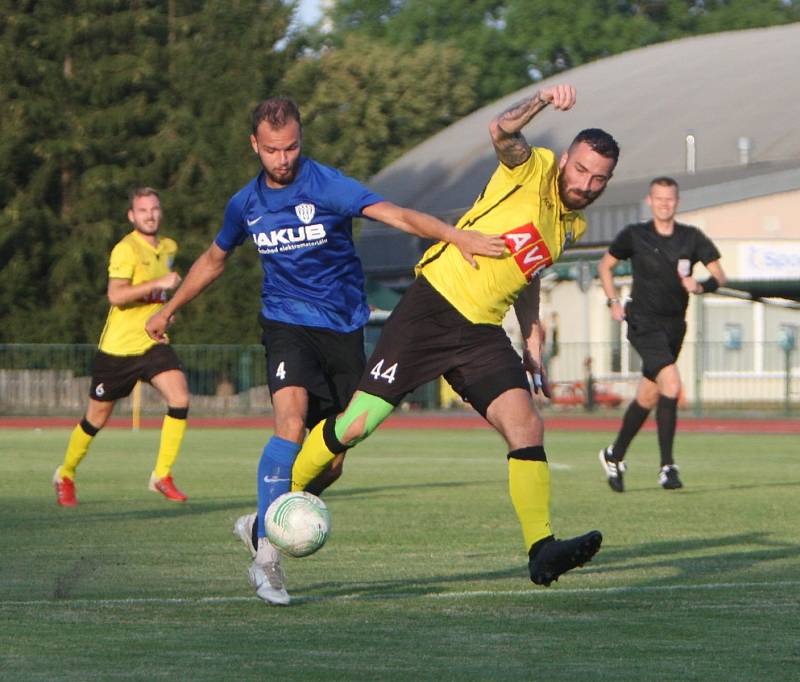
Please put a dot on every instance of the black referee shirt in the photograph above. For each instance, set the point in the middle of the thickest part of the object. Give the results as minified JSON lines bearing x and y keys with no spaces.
{"x":654,"y":260}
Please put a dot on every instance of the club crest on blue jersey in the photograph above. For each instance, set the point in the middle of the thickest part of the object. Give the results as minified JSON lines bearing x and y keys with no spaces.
{"x":305,"y":212}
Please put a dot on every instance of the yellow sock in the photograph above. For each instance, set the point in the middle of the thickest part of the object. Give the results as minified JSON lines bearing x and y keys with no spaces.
{"x":77,"y":448}
{"x":314,"y":456}
{"x":529,"y":486}
{"x":172,"y":431}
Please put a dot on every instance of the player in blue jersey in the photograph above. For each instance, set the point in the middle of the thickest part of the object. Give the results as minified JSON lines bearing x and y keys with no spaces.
{"x":298,"y":213}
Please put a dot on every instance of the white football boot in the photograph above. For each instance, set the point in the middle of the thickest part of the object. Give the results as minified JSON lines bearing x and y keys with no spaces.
{"x":266,"y":575}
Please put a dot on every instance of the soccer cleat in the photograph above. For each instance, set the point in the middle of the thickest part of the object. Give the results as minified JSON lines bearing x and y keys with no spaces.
{"x":551,"y":558}
{"x":613,"y":468}
{"x":243,"y":529}
{"x":65,"y":490}
{"x":166,"y":486}
{"x":266,"y":575}
{"x":668,"y":477}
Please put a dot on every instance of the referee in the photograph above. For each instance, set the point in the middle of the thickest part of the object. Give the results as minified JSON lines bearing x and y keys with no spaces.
{"x":662,"y":254}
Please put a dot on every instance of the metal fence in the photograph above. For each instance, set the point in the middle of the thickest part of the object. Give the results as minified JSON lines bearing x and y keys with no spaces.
{"x":52,"y":379}
{"x":754,"y":376}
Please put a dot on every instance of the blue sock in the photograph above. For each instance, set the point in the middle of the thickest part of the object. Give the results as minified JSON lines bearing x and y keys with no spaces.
{"x":274,"y":475}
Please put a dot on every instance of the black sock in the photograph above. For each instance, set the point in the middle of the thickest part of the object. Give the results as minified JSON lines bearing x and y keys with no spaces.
{"x":666,"y":420}
{"x":254,"y":535}
{"x":634,"y":417}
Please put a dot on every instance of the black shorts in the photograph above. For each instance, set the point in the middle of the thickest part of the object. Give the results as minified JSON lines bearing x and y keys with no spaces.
{"x":426,"y":337}
{"x":326,"y":363}
{"x":658,"y":340}
{"x":114,"y":376}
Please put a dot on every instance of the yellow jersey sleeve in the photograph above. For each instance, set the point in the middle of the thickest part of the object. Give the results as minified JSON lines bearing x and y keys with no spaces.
{"x":122,"y":263}
{"x":136,"y":260}
{"x":520,"y":174}
{"x":523,"y":205}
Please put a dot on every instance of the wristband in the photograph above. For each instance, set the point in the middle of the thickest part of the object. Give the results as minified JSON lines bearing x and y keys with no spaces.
{"x":611,"y":301}
{"x":710,"y":285}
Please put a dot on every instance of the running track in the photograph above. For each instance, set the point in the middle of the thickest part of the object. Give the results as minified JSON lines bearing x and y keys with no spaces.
{"x":438,"y":420}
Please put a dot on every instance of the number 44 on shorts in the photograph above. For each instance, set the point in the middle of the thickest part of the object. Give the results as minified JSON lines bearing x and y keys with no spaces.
{"x":379,"y":373}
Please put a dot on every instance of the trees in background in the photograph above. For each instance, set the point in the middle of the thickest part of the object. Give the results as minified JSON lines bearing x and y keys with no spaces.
{"x":367,"y":102}
{"x":97,"y":96}
{"x":513,"y":42}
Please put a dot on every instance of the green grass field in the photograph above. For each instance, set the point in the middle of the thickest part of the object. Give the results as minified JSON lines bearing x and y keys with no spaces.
{"x":424,"y":576}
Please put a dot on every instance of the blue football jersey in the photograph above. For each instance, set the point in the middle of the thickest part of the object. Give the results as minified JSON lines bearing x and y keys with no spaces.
{"x":304,"y":235}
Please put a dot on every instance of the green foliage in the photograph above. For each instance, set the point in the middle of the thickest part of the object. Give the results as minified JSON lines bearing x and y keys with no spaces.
{"x":394,"y":100}
{"x":559,"y":36}
{"x":103,"y":96}
{"x":474,"y":27}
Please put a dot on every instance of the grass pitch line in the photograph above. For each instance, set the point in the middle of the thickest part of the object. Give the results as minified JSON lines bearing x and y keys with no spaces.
{"x":634,"y":589}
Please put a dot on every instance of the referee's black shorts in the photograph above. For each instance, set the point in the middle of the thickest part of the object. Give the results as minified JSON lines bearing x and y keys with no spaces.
{"x":426,"y":337}
{"x":114,"y":376}
{"x":657,"y":340}
{"x":328,"y":364}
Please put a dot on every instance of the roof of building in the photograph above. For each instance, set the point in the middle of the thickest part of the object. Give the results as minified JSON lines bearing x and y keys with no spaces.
{"x":736,"y":93}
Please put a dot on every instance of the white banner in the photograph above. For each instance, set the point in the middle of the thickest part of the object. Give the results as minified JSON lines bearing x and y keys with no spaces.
{"x":769,"y":260}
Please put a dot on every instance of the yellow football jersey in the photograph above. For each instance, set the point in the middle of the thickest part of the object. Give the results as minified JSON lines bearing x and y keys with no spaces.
{"x":136,"y":260}
{"x":521,"y":204}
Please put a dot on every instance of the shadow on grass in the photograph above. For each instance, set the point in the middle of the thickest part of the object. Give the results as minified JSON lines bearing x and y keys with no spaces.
{"x":19,"y":513}
{"x":728,"y":563}
{"x":344,"y":494}
{"x":705,"y":489}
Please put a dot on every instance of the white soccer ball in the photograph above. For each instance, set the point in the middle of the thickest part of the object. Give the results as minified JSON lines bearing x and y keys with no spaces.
{"x":298,"y":523}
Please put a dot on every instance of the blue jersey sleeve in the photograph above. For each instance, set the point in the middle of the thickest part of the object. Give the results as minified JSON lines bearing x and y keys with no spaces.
{"x":233,"y":232}
{"x":349,"y":197}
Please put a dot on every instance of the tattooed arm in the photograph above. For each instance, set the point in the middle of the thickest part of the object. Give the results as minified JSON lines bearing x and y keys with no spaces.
{"x":511,"y":146}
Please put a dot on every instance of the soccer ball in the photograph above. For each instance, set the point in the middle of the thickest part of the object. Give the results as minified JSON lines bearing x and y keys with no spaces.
{"x":298,"y":523}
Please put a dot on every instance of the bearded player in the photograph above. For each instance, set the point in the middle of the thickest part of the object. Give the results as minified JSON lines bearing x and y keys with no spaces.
{"x":448,"y":323}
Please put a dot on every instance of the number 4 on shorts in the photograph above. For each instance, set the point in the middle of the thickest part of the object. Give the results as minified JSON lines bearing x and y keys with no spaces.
{"x":378,"y":372}
{"x":281,"y":371}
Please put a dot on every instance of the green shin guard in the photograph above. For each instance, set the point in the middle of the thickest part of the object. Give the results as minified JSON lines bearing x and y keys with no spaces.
{"x":372,"y":409}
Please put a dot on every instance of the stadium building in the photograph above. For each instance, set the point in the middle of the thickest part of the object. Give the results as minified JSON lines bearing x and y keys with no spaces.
{"x":717,"y":112}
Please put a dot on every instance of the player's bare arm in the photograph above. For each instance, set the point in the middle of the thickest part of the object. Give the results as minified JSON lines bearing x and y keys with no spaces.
{"x":605,"y":272}
{"x":207,"y":268}
{"x":510,"y":144}
{"x":717,"y":275}
{"x":121,"y":292}
{"x":526,"y":308}
{"x":469,"y":242}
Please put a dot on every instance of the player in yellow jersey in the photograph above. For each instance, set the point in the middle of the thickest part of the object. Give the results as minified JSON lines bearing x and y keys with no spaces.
{"x":448,"y":323}
{"x":139,"y":277}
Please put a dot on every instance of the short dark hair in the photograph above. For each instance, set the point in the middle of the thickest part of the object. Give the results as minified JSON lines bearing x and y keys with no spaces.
{"x":664,"y":181}
{"x":600,"y":141}
{"x":277,"y":112}
{"x":141,"y":192}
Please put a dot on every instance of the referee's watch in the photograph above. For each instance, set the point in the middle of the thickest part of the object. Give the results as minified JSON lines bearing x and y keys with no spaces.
{"x":611,"y":301}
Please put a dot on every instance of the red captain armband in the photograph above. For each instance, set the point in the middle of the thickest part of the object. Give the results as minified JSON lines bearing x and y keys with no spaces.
{"x":528,"y":249}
